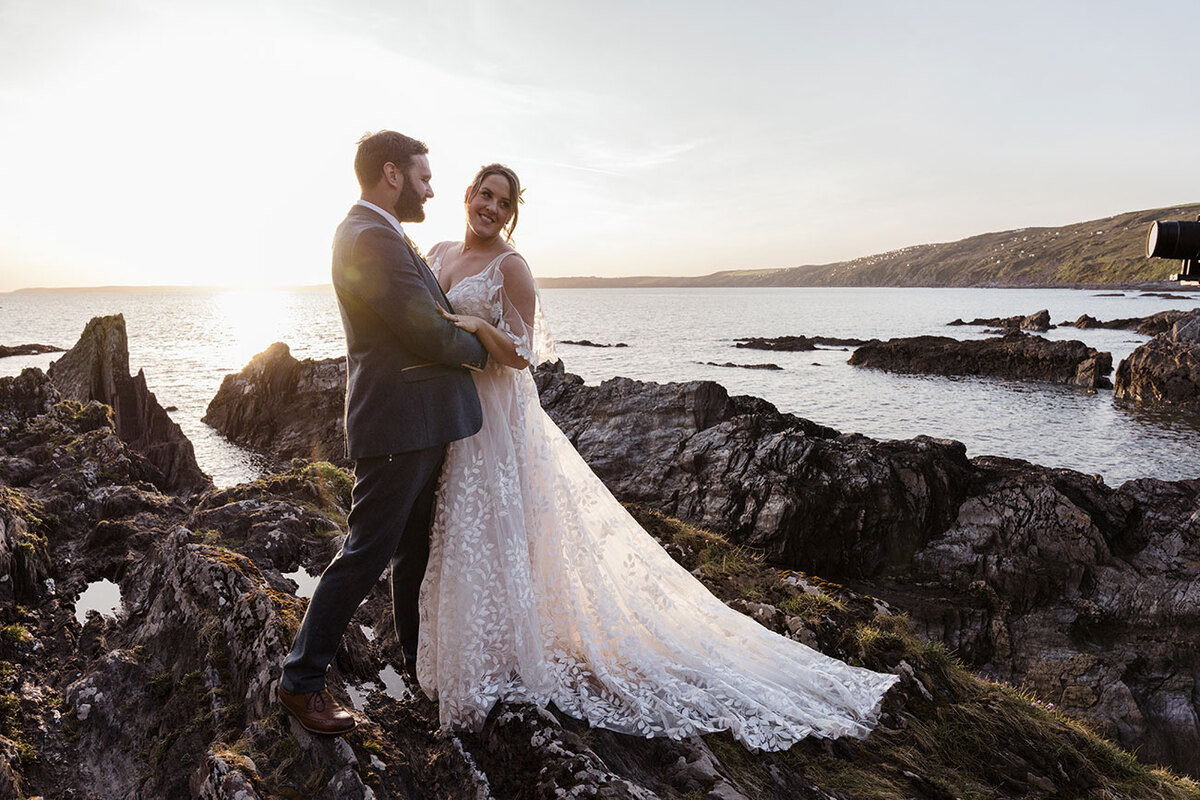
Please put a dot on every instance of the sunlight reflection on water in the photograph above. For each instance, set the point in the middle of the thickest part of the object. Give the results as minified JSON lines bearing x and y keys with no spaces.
{"x":188,"y":341}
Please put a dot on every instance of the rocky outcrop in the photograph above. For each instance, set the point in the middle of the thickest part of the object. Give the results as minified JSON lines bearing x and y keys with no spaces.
{"x":1166,"y":370}
{"x":1037,"y":321}
{"x":284,"y":408}
{"x":589,"y":343}
{"x":1036,"y":576}
{"x":97,"y":368}
{"x":768,"y":365}
{"x":1147,"y":326}
{"x":1015,"y":356}
{"x":172,"y":697}
{"x":794,"y":344}
{"x":25,"y":395}
{"x":28,"y":350}
{"x":1032,"y":575}
{"x":1086,"y":594}
{"x":798,"y":490}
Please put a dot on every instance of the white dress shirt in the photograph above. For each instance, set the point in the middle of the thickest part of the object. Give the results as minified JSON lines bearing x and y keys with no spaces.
{"x":386,"y":215}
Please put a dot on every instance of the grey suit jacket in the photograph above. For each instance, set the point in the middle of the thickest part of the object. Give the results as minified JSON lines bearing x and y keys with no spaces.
{"x":408,"y":381}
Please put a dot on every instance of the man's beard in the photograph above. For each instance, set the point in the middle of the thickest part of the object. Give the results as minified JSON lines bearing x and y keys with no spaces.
{"x":410,"y":205}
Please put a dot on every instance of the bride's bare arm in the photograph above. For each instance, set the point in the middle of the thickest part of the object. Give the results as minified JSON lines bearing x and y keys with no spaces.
{"x":520,"y":296}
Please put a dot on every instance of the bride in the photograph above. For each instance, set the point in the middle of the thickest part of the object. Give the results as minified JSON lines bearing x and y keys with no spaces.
{"x":542,"y":588}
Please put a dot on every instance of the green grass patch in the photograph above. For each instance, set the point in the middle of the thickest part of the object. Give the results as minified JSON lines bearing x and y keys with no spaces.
{"x":16,"y":632}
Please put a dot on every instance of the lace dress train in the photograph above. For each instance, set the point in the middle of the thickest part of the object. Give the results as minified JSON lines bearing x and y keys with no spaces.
{"x":541,"y":587}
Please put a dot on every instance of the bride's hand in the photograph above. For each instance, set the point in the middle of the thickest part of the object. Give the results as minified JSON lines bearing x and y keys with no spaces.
{"x":465,"y":321}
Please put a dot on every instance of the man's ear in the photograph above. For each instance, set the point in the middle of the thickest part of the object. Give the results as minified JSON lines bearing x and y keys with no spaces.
{"x":393,"y":175}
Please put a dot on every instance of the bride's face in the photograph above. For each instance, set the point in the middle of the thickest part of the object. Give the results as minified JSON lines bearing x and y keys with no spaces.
{"x":491,"y":207}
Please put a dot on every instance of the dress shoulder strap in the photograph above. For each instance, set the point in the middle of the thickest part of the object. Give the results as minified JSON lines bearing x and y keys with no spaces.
{"x":495,"y":262}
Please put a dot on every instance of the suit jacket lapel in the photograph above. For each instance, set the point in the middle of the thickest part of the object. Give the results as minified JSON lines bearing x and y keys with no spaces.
{"x":430,"y":278}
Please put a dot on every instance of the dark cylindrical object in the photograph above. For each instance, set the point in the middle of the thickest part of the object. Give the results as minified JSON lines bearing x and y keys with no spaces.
{"x":1173,"y":239}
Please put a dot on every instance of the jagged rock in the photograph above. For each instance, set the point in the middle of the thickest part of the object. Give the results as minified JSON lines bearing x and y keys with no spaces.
{"x":24,"y":560}
{"x":794,"y":344}
{"x":97,"y":368}
{"x":851,"y":508}
{"x":1015,"y":355}
{"x":284,"y":408}
{"x":225,"y":776}
{"x":26,"y":395}
{"x":878,"y":513}
{"x":590,"y":343}
{"x":173,"y":696}
{"x":1147,"y":326}
{"x":909,"y":518}
{"x":799,"y":490}
{"x":1164,"y":371}
{"x":1051,"y":579}
{"x":28,"y":350}
{"x":1037,"y":321}
{"x":741,"y":366}
{"x":10,"y":776}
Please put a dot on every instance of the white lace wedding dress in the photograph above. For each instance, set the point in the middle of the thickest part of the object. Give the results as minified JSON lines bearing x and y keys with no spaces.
{"x":541,"y":587}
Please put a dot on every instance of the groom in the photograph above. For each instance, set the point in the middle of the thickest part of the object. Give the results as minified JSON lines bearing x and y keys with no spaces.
{"x":408,"y":392}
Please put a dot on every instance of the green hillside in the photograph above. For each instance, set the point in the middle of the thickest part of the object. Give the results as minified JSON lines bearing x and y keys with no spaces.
{"x":1102,"y":251}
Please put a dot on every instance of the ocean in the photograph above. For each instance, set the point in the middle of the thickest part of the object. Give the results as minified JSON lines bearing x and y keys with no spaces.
{"x":187,"y":340}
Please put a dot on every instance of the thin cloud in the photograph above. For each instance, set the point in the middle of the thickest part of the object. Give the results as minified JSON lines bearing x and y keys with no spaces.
{"x":618,"y":158}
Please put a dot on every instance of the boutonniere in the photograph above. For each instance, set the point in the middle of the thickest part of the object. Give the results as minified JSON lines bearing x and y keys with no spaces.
{"x":413,"y":245}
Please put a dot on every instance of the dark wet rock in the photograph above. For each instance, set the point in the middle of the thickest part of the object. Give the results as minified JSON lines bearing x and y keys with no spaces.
{"x":28,"y":350}
{"x":590,"y":343}
{"x":1147,"y":326}
{"x":735,"y":464}
{"x":794,"y":344}
{"x":1029,"y":574}
{"x":1164,"y":371}
{"x":26,"y":395}
{"x":1037,"y":321}
{"x":97,"y":368}
{"x":173,"y":697}
{"x":740,"y":366}
{"x":24,"y":560}
{"x":1015,"y":355}
{"x":1084,"y":321}
{"x":284,"y":408}
{"x":1087,"y":594}
{"x":1170,"y":296}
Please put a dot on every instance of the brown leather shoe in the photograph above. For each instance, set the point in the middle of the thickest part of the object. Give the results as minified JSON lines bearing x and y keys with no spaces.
{"x":317,"y":712}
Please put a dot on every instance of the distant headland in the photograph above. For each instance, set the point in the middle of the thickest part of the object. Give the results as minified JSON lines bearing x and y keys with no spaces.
{"x":1108,"y":252}
{"x":1100,"y":252}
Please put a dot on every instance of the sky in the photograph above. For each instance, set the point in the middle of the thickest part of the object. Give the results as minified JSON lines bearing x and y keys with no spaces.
{"x":150,"y":142}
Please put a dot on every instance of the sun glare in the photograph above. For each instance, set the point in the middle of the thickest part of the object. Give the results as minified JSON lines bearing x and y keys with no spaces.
{"x":256,"y":319}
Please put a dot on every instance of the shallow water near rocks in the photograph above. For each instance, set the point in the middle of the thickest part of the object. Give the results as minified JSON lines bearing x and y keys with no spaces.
{"x":306,"y":582}
{"x":103,"y":596}
{"x":187,"y":341}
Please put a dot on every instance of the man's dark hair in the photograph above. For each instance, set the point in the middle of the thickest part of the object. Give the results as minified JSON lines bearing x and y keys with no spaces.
{"x":377,"y":149}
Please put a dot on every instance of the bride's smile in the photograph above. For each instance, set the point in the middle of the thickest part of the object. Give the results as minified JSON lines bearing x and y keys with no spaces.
{"x":490,"y":209}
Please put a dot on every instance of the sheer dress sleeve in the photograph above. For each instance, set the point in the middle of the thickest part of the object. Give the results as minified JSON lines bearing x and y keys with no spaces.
{"x":520,"y":312}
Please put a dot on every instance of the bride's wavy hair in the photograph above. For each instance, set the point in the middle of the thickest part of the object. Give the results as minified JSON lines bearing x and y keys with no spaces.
{"x":514,"y":191}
